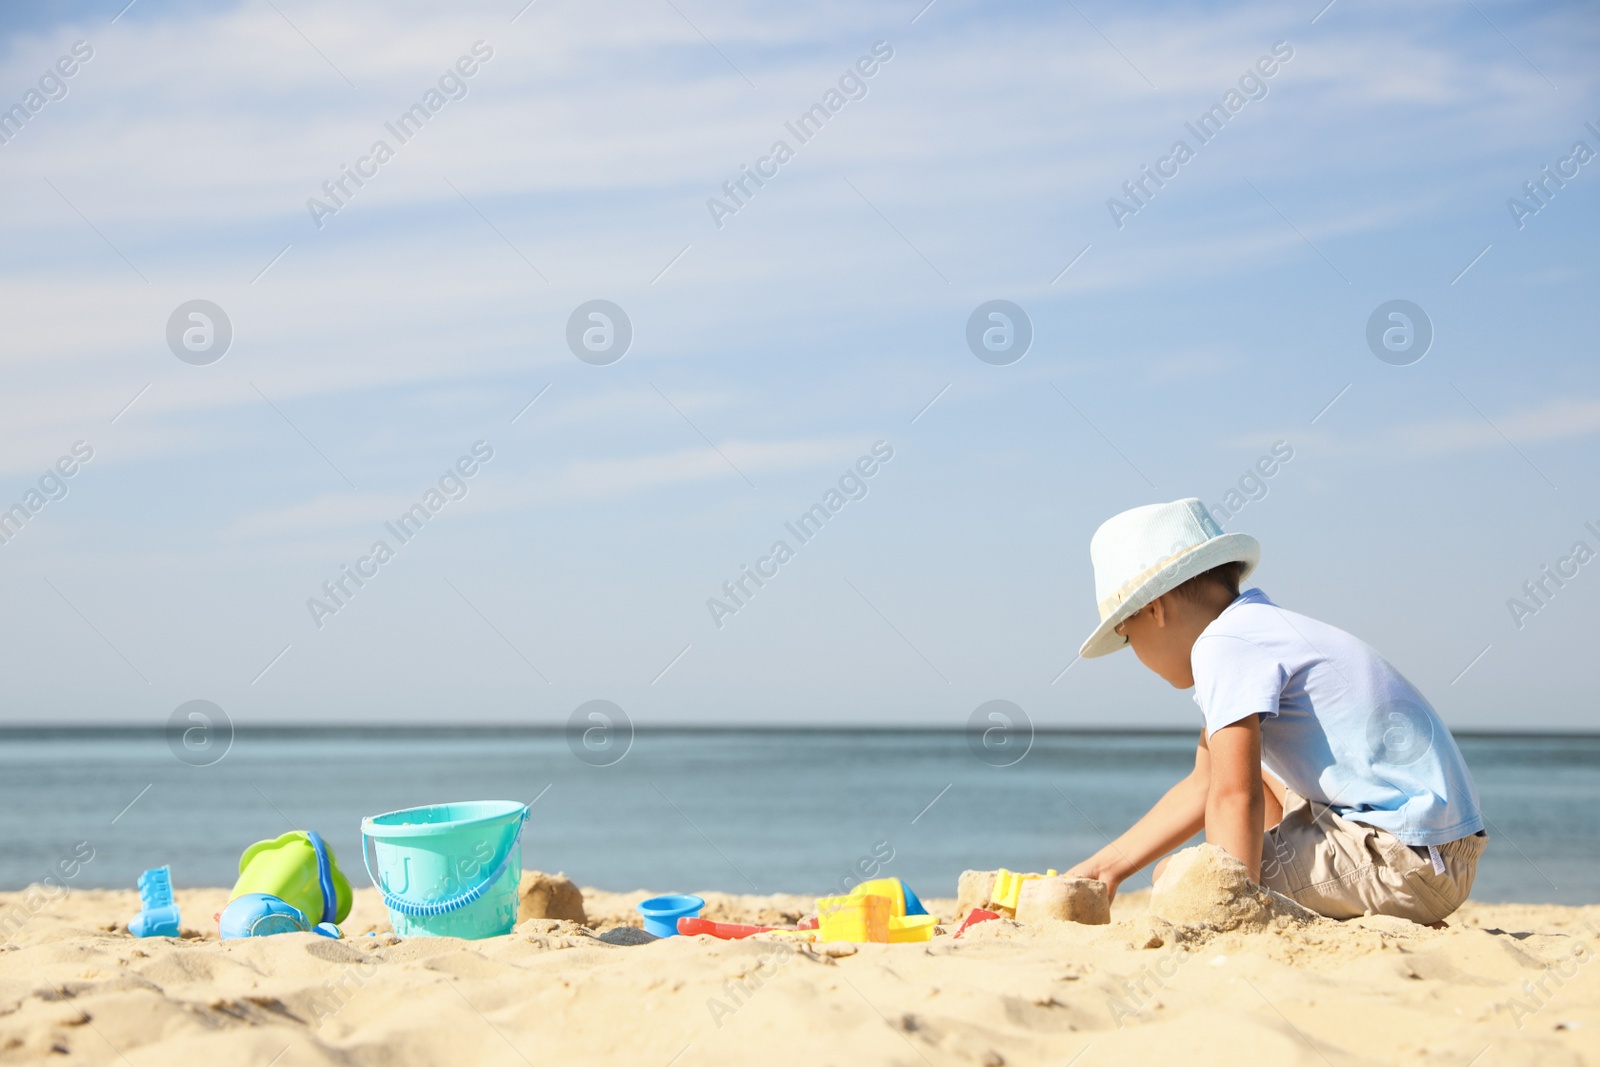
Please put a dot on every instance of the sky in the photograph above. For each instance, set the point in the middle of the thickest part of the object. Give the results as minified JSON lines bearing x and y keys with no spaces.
{"x":385,"y":338}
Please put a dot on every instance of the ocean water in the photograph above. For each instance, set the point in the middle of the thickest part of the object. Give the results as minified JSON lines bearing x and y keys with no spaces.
{"x":740,"y":811}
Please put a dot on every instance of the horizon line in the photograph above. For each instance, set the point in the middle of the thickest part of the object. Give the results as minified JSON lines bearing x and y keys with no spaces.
{"x":486,"y":727}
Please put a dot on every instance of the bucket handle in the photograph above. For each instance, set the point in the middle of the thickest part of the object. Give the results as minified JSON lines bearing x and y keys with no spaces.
{"x":330,"y":898}
{"x":415,"y":910}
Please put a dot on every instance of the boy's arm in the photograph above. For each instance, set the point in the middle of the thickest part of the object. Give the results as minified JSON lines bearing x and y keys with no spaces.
{"x":1235,"y":804}
{"x":1175,"y":818}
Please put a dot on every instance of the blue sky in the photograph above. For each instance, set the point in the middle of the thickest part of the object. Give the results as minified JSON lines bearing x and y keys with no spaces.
{"x":371,"y":352}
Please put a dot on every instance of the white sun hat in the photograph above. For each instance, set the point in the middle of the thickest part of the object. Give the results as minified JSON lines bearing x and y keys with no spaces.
{"x":1151,"y":550}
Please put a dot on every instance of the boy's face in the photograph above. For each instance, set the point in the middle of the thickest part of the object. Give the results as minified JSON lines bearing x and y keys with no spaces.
{"x":1163,"y":634}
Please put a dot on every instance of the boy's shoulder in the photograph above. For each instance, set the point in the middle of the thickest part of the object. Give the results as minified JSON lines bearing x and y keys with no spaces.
{"x":1288,"y":637}
{"x":1255,"y":618}
{"x":1251,"y":615}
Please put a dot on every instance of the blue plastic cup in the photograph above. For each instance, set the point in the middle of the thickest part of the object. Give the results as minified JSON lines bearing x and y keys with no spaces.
{"x":661,"y":914}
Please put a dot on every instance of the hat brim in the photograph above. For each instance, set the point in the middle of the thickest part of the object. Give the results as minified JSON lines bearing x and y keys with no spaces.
{"x":1229,"y":548}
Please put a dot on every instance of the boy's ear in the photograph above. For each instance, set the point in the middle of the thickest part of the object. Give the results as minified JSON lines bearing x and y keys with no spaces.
{"x":1159,"y":611}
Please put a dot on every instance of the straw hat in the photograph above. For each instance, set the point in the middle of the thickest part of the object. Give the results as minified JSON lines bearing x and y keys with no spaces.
{"x":1147,"y":551}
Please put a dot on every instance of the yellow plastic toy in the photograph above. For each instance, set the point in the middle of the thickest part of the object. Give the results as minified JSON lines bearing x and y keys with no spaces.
{"x":908,"y":928}
{"x":882,"y":910}
{"x":891,"y":889}
{"x":854,"y":918}
{"x":1008,"y":887}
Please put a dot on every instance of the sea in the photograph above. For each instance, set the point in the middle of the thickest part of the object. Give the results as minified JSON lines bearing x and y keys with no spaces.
{"x":683,"y":810}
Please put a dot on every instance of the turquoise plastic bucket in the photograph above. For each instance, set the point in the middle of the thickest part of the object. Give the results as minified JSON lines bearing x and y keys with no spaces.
{"x":448,"y":870}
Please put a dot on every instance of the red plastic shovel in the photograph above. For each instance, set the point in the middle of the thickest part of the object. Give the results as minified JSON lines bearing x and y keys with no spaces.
{"x":974,"y":917}
{"x":689,"y":925}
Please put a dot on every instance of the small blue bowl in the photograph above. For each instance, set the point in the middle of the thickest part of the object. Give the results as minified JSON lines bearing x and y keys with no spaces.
{"x":661,"y":914}
{"x":260,"y":915}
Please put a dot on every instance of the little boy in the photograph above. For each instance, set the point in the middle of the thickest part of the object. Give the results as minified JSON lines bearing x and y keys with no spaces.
{"x":1320,"y":768}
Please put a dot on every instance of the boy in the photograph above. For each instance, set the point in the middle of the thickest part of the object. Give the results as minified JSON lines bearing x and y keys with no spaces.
{"x":1320,"y":768}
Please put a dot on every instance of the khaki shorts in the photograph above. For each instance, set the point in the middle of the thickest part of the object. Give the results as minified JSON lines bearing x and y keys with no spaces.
{"x":1343,"y":869}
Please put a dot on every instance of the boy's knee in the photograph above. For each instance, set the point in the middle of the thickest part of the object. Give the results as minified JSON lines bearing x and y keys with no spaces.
{"x":1155,"y":875}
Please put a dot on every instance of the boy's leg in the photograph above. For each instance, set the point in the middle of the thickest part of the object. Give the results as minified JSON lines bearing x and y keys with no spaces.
{"x":1343,"y":869}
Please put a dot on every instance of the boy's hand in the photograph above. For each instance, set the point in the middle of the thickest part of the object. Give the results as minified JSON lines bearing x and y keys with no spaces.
{"x":1176,"y":817}
{"x":1100,"y":872}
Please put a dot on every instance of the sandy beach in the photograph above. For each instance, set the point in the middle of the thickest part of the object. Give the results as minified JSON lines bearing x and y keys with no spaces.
{"x":1504,"y":984}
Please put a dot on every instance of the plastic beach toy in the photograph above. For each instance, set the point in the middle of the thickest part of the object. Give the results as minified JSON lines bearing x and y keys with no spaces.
{"x":882,"y":910}
{"x":262,"y":915}
{"x":907,"y":928}
{"x":1008,"y":886}
{"x":690,"y":926}
{"x":854,"y":918}
{"x":299,"y":869}
{"x":902,"y":901}
{"x":661,"y":914}
{"x":448,"y":870}
{"x":867,"y":918}
{"x":974,"y":917}
{"x":159,"y":917}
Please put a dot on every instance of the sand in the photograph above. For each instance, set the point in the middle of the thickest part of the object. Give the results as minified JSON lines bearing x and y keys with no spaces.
{"x":1504,"y":984}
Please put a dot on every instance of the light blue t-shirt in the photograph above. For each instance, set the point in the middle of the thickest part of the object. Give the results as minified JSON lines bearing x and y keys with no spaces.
{"x":1339,"y":725}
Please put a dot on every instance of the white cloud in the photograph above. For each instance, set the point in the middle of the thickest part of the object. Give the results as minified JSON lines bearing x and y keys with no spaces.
{"x":492,"y":492}
{"x":1559,"y":419}
{"x":591,"y":141}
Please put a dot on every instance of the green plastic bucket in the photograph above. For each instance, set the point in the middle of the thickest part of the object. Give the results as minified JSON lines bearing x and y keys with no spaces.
{"x":298,"y":868}
{"x":448,"y":870}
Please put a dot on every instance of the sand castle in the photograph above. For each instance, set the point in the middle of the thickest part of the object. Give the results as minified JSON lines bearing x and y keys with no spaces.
{"x":1206,"y":885}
